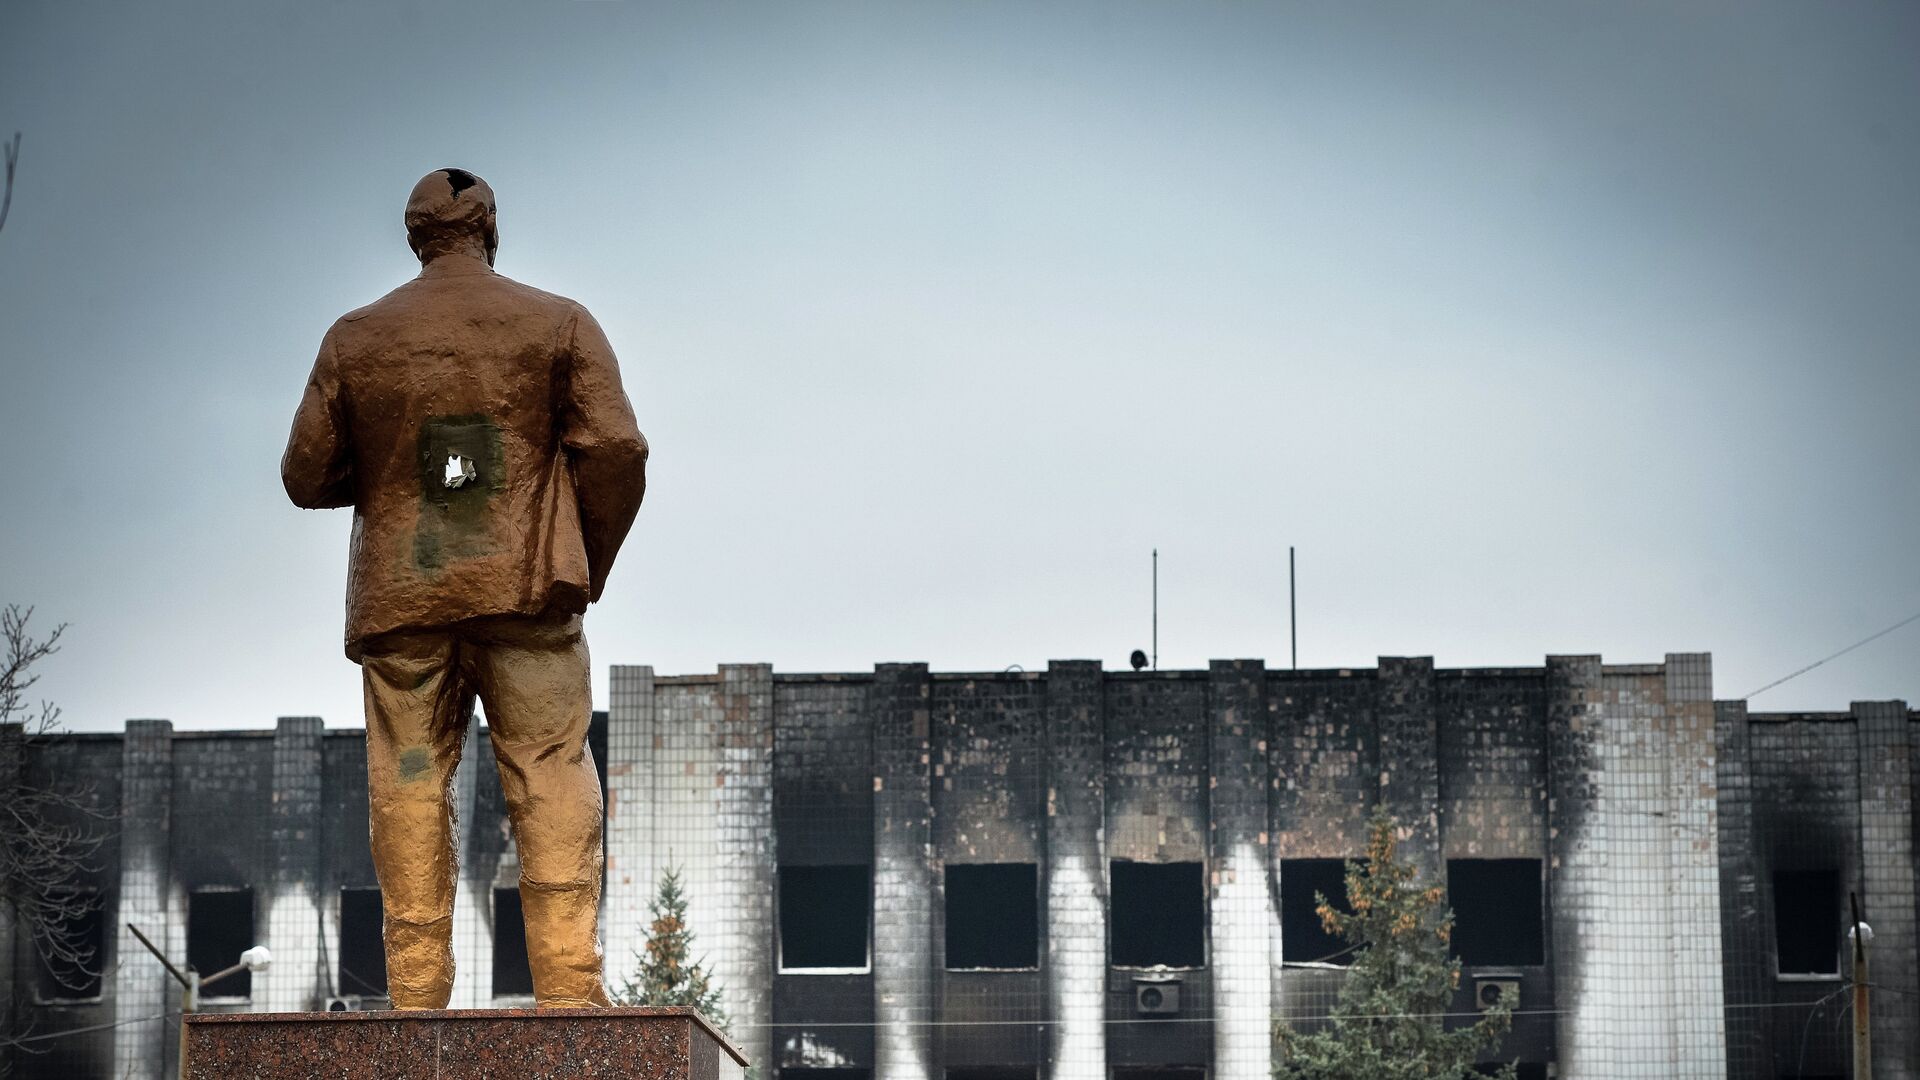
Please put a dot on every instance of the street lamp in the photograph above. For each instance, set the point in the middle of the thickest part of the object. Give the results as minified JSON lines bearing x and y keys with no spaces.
{"x":258,"y":958}
{"x":1858,"y":935}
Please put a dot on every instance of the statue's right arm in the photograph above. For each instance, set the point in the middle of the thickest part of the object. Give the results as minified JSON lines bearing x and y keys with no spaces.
{"x":317,"y":468}
{"x":604,"y":447}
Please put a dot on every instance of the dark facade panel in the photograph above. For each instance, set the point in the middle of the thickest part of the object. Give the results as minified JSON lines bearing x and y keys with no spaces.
{"x":824,"y":1022}
{"x":1493,"y":765}
{"x":1806,"y":813}
{"x":1325,"y":757}
{"x":222,"y":788}
{"x":822,"y":774}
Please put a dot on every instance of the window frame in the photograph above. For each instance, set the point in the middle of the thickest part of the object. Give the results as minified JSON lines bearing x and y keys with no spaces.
{"x":1206,"y":943}
{"x":340,"y":973}
{"x":1349,"y":951}
{"x":1838,"y":974}
{"x":253,"y":926}
{"x":493,"y":972}
{"x":780,"y":966}
{"x":946,"y":927}
{"x":1541,"y":918}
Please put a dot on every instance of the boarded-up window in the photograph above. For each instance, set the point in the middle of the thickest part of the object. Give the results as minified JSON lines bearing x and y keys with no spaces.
{"x":1158,"y":914}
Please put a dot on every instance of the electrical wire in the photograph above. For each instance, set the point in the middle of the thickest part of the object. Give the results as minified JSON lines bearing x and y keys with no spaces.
{"x":1756,"y":693}
{"x":1291,"y":1019}
{"x":96,"y":1027}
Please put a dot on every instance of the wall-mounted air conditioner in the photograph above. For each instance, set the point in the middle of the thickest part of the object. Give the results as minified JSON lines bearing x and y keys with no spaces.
{"x":1490,"y":990}
{"x":1156,"y":995}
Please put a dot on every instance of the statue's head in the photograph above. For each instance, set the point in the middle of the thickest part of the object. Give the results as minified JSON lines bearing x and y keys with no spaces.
{"x":451,"y":211}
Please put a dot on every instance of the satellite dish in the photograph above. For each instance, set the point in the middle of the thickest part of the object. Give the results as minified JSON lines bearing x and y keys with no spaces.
{"x":1138,"y":660}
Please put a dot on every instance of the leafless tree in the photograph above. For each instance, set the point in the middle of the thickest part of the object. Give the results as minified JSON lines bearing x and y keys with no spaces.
{"x":50,"y":829}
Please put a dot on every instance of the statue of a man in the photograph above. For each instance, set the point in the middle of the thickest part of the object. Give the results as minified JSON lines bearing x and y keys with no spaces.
{"x":479,"y":431}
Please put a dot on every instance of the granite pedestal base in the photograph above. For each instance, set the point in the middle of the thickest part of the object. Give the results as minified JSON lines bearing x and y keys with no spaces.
{"x":460,"y":1044}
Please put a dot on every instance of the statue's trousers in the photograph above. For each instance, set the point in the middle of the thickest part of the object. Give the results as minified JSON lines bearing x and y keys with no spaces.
{"x":532,"y":676}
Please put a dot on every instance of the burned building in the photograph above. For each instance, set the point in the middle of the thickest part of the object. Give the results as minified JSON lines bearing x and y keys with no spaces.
{"x":1075,"y":874}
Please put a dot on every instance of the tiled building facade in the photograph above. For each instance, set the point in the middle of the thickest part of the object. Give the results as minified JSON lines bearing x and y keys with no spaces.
{"x":1077,"y":874}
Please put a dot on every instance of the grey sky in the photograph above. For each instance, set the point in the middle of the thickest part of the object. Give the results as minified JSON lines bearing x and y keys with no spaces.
{"x":1536,"y":328}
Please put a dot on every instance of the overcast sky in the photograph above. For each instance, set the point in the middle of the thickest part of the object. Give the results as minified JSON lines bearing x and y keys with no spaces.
{"x":1538,"y":329}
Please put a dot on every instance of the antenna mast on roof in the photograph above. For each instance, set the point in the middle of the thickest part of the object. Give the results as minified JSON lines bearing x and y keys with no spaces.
{"x":1156,"y":609}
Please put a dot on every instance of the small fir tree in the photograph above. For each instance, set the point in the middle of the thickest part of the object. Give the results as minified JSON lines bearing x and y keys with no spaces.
{"x":665,"y":976}
{"x":1389,"y":1021}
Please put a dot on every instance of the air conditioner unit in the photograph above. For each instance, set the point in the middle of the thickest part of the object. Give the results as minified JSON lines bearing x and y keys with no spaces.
{"x":1490,"y":991}
{"x":1156,"y":996}
{"x":345,"y":1003}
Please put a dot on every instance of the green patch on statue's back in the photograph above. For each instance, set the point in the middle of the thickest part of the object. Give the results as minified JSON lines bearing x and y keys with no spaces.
{"x":461,"y":468}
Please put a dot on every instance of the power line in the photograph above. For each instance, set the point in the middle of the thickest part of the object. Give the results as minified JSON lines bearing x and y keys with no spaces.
{"x":96,"y":1027}
{"x":1870,"y":637}
{"x":1289,"y":1018}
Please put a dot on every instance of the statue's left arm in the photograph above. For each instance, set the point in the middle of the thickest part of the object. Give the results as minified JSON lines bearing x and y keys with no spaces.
{"x":317,"y":468}
{"x":604,"y":446}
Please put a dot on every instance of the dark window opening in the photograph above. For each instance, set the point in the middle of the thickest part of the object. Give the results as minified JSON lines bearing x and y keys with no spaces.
{"x":219,"y":929}
{"x":82,"y":934}
{"x":1303,"y":937}
{"x":363,"y":948}
{"x":993,"y":919}
{"x":1158,"y":914}
{"x":1496,"y":911}
{"x":823,"y":916}
{"x":799,"y":1073}
{"x":597,"y":746}
{"x":993,"y":1072}
{"x":1806,"y":921}
{"x":511,"y":975}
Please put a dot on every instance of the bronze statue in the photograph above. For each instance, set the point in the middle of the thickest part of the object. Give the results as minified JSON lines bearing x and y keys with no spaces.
{"x":479,"y":431}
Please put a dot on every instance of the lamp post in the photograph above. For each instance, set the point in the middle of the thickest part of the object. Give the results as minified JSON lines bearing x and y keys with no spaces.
{"x":258,"y":958}
{"x":1859,"y":934}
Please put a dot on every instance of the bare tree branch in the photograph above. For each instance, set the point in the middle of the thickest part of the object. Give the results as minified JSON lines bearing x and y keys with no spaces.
{"x":13,"y":157}
{"x":51,"y":829}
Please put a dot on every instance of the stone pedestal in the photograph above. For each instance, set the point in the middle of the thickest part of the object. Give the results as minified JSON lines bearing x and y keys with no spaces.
{"x":461,"y":1044}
